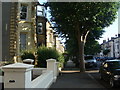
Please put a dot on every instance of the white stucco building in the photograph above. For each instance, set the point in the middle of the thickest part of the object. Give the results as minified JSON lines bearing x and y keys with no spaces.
{"x":113,"y":45}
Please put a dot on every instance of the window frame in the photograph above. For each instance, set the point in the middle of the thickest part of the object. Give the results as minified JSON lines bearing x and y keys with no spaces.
{"x":22,"y":4}
{"x":25,"y":42}
{"x":38,"y":27}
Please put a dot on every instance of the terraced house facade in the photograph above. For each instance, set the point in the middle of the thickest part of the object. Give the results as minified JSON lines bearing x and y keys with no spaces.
{"x":113,"y":45}
{"x":23,"y":29}
{"x":18,"y":29}
{"x":26,"y":35}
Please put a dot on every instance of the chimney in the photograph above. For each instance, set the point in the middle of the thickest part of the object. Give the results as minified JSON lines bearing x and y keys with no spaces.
{"x":118,"y":35}
{"x":112,"y":38}
{"x":104,"y":41}
{"x":108,"y":39}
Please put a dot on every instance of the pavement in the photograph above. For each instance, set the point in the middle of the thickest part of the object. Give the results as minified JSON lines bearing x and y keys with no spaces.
{"x":73,"y":78}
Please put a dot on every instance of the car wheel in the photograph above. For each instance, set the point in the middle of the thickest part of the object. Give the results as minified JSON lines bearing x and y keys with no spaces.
{"x":112,"y":83}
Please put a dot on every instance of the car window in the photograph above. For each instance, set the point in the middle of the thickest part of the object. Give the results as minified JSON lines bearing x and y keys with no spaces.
{"x":114,"y":64}
{"x":88,"y":57}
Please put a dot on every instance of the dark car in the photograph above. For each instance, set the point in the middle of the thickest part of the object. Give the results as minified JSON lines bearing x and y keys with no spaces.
{"x":110,"y":71}
{"x":90,"y":61}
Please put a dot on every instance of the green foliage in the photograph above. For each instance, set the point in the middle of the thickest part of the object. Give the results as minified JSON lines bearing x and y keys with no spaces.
{"x":106,"y":51}
{"x":66,"y":57}
{"x":27,"y":55}
{"x":72,"y":47}
{"x":89,"y":15}
{"x":45,"y":53}
{"x":6,"y":63}
{"x":76,"y":20}
{"x":92,"y":47}
{"x":61,"y":60}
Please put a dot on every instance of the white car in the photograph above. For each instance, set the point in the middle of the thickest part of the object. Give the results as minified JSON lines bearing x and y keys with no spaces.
{"x":90,"y":61}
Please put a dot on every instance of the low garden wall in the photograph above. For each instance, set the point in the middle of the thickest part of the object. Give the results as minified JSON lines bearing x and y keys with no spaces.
{"x":43,"y":81}
{"x":19,"y":75}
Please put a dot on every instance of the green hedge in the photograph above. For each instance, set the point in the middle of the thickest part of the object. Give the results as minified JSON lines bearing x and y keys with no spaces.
{"x":27,"y":55}
{"x":44,"y":53}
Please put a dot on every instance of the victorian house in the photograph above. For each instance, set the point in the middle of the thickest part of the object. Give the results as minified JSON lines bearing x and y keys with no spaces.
{"x":18,"y":29}
{"x":24,"y":27}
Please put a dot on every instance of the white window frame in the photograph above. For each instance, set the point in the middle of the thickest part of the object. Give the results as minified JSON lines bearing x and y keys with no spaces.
{"x":23,"y":12}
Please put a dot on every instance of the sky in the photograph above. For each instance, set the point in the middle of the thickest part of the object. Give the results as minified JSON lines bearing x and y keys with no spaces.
{"x":110,"y":31}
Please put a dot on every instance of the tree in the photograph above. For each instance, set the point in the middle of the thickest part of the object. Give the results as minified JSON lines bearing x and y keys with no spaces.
{"x":78,"y":19}
{"x":106,"y":51}
{"x":92,"y":48}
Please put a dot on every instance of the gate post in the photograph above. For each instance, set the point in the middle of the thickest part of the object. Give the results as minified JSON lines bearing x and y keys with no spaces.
{"x":51,"y":66}
{"x":17,"y":75}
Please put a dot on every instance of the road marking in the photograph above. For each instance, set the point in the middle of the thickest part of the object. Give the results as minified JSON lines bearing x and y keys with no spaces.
{"x":95,"y":80}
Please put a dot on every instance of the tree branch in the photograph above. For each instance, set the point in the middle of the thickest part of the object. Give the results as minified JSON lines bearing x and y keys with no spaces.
{"x":85,"y":36}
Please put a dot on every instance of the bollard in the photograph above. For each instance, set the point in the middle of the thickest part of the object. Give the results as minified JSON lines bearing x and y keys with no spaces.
{"x":17,"y":75}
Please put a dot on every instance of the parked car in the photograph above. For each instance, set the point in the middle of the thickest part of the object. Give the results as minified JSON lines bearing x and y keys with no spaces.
{"x":110,"y":71}
{"x":90,"y":61}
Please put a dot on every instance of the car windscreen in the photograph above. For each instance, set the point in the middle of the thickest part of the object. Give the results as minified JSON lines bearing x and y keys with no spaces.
{"x":115,"y":64}
{"x":88,"y":57}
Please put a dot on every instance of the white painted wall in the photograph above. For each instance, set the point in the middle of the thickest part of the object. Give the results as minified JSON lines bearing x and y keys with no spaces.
{"x":38,"y":71}
{"x":0,"y":31}
{"x":43,"y":81}
{"x":21,"y":74}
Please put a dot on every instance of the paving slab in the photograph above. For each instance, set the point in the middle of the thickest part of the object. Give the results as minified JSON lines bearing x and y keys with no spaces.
{"x":76,"y":80}
{"x":71,"y":77}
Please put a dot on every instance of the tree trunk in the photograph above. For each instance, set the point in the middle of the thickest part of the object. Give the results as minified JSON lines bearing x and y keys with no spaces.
{"x":81,"y":55}
{"x":81,"y":52}
{"x":81,"y":37}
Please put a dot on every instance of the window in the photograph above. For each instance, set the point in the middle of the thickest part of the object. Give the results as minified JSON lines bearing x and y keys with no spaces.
{"x":41,"y":11}
{"x":22,"y":41}
{"x":117,"y":46}
{"x":40,"y":28}
{"x":114,"y":64}
{"x":23,"y":12}
{"x":89,"y":57}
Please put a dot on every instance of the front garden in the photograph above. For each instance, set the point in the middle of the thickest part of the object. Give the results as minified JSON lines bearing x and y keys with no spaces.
{"x":42,"y":54}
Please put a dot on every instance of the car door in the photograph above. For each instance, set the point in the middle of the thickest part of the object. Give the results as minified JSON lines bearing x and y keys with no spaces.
{"x":106,"y":71}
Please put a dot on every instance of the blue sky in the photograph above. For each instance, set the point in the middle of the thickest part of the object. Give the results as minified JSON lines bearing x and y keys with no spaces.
{"x":110,"y":31}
